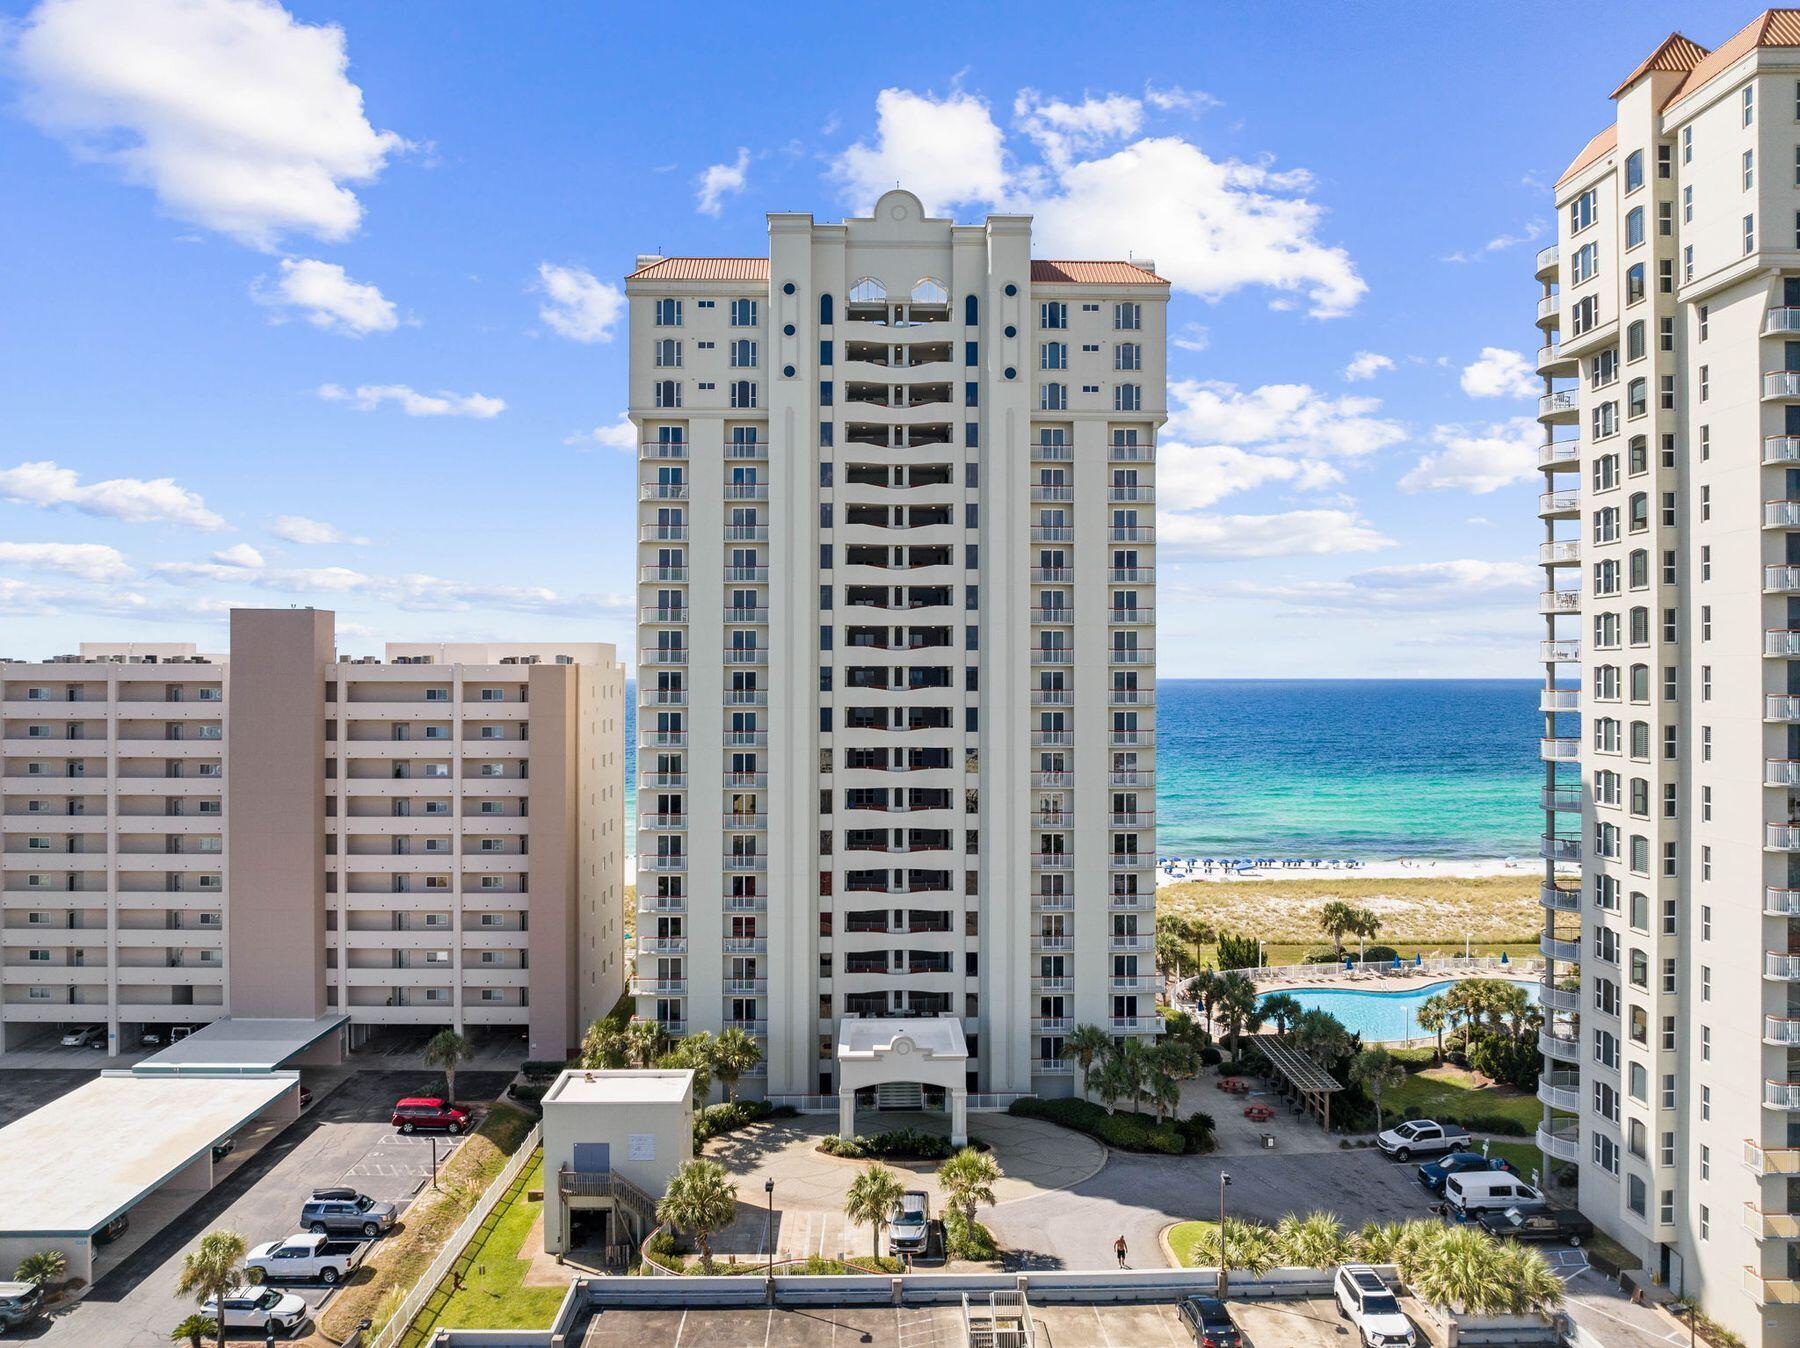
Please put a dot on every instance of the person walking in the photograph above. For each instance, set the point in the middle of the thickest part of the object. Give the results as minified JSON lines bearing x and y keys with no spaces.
{"x":1119,"y":1249}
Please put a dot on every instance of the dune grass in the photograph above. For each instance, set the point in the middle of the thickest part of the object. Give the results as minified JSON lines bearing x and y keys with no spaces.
{"x":493,"y":1294}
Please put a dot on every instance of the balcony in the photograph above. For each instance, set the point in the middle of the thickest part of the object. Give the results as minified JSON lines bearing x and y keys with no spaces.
{"x":1553,"y":998}
{"x":1553,"y":848}
{"x":1546,"y":264}
{"x":1781,"y":384}
{"x":1780,"y":449}
{"x":746,"y":491}
{"x":1771,"y":1291}
{"x":1778,"y":321}
{"x":1560,"y":1090}
{"x":1136,"y":1024}
{"x":1548,"y":312}
{"x":1047,"y":453}
{"x":1781,"y":772}
{"x":1052,"y":533}
{"x":1052,"y":861}
{"x":1781,"y":967}
{"x":1560,"y":1046}
{"x":1563,"y":552}
{"x":1562,"y":408}
{"x":1053,"y":1067}
{"x":1781,"y":837}
{"x":1560,"y":898}
{"x":1781,"y":579}
{"x":1767,"y":1224}
{"x":1781,"y":902}
{"x":1559,"y":751}
{"x":659,"y":987}
{"x":662,"y":655}
{"x":1052,"y":655}
{"x":663,"y":575}
{"x":662,"y":449}
{"x":651,"y":945}
{"x":1052,"y":1024}
{"x":1552,"y":602}
{"x":745,"y":655}
{"x":655,"y":903}
{"x":1556,"y":948}
{"x":1560,"y":1139}
{"x":663,"y":533}
{"x":1554,"y":505}
{"x":1133,"y":615}
{"x":1117,"y":453}
{"x":1552,"y":364}
{"x":1783,"y":1095}
{"x":1782,"y":514}
{"x":1781,"y":641}
{"x":655,"y":865}
{"x":1133,"y":983}
{"x":1559,"y":699}
{"x":747,"y":449}
{"x":1051,"y":617}
{"x":1562,"y":650}
{"x":1125,"y":655}
{"x":662,"y":491}
{"x":1781,"y":707}
{"x":1131,"y":495}
{"x":1781,"y":1031}
{"x":1762,"y":1161}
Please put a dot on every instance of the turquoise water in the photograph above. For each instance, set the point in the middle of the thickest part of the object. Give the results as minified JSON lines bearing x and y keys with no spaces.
{"x":1365,"y":768}
{"x":1379,"y":1017}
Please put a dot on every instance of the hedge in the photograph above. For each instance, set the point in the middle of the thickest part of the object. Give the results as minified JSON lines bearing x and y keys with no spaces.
{"x":1128,"y":1131}
{"x":544,"y":1068}
{"x":727,"y":1118}
{"x":906,"y":1144}
{"x":964,"y":1239}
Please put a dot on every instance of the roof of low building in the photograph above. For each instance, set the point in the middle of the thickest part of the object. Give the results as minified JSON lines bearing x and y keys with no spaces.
{"x":1044,"y":271}
{"x":252,"y":1044}
{"x":936,"y":1036}
{"x":70,"y":1167}
{"x":658,"y":1086}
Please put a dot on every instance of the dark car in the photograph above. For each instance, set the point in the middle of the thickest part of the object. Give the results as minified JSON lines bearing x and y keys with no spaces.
{"x":428,"y":1111}
{"x":117,"y":1227}
{"x":1212,"y":1324}
{"x":223,"y":1148}
{"x":1538,"y":1223}
{"x":1432,"y":1174}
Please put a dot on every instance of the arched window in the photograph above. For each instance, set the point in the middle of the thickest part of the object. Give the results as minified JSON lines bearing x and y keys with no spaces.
{"x":868,"y":291}
{"x":824,"y":309}
{"x":971,"y":311}
{"x":929,"y":291}
{"x":668,"y":393}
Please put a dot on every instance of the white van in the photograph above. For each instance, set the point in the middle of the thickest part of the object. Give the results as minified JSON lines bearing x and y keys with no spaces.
{"x":1473,"y":1191}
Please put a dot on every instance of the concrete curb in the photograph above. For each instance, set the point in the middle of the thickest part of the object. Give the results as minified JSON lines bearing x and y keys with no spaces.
{"x":1168,"y":1251}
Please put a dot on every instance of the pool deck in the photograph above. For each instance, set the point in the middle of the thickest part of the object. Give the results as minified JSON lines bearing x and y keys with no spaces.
{"x":1332,"y":977}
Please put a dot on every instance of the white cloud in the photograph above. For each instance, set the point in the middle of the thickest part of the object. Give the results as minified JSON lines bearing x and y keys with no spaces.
{"x":1192,"y":337}
{"x":328,"y":298}
{"x":309,"y":532}
{"x":89,"y":561}
{"x":239,"y":554}
{"x":1194,"y":477}
{"x":236,"y":115}
{"x":947,"y":152}
{"x":1212,"y":226}
{"x":1289,"y":419}
{"x":1366,"y":365}
{"x":1293,"y":533}
{"x":1531,"y":233}
{"x":620,"y":435}
{"x":1177,"y":99}
{"x":136,"y":501}
{"x":722,"y":179}
{"x":1499,"y":373}
{"x":443,"y":403}
{"x":1412,"y":587}
{"x":1478,"y":459}
{"x":414,"y":591}
{"x":576,"y":305}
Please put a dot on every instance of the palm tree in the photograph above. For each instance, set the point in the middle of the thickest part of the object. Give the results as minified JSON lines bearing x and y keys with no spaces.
{"x":1086,"y":1043}
{"x":1433,"y":1014}
{"x":1317,"y":1240}
{"x":1203,"y":987}
{"x":1236,"y":1006}
{"x":695,"y":1052}
{"x":1377,"y":1242}
{"x":1135,"y":1059}
{"x":1530,"y":1281}
{"x":43,"y":1268}
{"x":604,"y":1046}
{"x":700,"y":1199}
{"x":212,"y":1270}
{"x":1107,"y":1081}
{"x":871,"y":1199}
{"x":1246,"y":1246}
{"x":1377,"y":1071}
{"x":1172,"y":952}
{"x":1321,"y":1036}
{"x":1281,"y":1009}
{"x":193,"y":1329}
{"x":968,"y":1179}
{"x":1164,"y":1092}
{"x":1463,"y":1269}
{"x":1508,"y":1002}
{"x":448,"y":1050}
{"x":643,"y":1043}
{"x":1337,"y":920}
{"x":735,"y":1053}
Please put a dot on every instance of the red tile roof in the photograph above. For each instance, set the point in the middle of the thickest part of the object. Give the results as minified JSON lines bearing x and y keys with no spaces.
{"x":704,"y":269}
{"x":1676,"y":53}
{"x":1771,"y":28}
{"x":1092,"y":273}
{"x":1603,"y":144}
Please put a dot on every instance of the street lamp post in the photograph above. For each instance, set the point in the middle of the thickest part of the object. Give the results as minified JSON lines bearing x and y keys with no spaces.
{"x":1224,"y":1254}
{"x":769,"y":1241}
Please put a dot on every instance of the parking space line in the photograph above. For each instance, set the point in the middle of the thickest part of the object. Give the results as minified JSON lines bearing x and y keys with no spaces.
{"x":1170,"y":1318}
{"x":680,"y":1329}
{"x":1101,"y":1321}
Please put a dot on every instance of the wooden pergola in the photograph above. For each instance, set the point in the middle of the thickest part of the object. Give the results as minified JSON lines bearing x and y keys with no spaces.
{"x":1312,"y":1083}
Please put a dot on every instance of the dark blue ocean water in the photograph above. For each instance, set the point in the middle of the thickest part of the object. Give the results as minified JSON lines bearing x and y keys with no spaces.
{"x":1367,"y":768}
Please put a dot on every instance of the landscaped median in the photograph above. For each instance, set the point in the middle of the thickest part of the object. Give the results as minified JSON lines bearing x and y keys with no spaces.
{"x":1125,"y":1130}
{"x":398,"y":1261}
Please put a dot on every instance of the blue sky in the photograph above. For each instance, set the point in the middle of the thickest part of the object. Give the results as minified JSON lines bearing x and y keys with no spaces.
{"x":319,"y":304}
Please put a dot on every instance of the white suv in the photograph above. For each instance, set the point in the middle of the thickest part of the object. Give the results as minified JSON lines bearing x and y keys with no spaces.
{"x":1368,"y":1303}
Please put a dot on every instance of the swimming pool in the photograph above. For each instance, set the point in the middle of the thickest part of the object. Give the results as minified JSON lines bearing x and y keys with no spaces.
{"x":1380,"y":1017}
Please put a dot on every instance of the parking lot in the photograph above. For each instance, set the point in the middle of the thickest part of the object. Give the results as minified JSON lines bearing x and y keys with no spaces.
{"x":346,"y":1137}
{"x":1311,"y":1323}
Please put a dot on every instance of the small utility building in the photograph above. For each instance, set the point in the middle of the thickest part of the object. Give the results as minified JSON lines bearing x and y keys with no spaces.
{"x":611,"y":1142}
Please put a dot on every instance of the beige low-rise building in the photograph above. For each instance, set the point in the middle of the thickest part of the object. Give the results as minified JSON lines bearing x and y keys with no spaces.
{"x":612,"y":1140}
{"x":433,"y":838}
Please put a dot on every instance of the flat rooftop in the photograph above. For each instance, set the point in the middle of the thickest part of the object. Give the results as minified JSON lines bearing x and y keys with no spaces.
{"x":249,"y":1045}
{"x":938,"y":1036}
{"x":69,"y":1168}
{"x":648,"y":1087}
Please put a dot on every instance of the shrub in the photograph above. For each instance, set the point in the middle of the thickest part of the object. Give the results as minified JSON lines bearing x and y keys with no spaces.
{"x":1380,"y":954}
{"x":906,"y":1144}
{"x":662,"y":1246}
{"x":1197,"y":1131}
{"x":527,"y":1094}
{"x":543,"y":1069}
{"x":964,"y":1239}
{"x":726,"y":1118}
{"x":1211,"y":1057}
{"x":1499,"y":1058}
{"x":1496,"y":1123}
{"x":1125,"y":1130}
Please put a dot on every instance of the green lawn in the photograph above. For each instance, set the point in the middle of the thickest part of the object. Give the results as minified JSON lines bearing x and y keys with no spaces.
{"x":1184,"y":1236}
{"x":493,"y":1295}
{"x":1449,"y":1094}
{"x":1525,"y":1157}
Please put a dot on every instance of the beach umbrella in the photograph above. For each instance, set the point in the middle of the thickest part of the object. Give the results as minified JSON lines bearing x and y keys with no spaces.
{"x":1418,"y":959}
{"x":1396,"y":963}
{"x":1349,"y":963}
{"x":1503,"y":958}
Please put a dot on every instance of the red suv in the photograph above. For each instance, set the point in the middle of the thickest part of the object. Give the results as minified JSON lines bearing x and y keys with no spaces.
{"x":428,"y":1111}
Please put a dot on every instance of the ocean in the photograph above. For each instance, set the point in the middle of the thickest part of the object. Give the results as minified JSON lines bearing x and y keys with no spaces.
{"x":1364,"y":768}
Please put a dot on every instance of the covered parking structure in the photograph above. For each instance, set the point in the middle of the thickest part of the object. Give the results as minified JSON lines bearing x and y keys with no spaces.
{"x":68,"y":1169}
{"x":876,"y":1056}
{"x":1301,"y":1077}
{"x":251,"y":1045}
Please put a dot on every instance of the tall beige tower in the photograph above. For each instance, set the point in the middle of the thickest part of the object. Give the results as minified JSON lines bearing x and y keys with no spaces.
{"x":896,"y":642}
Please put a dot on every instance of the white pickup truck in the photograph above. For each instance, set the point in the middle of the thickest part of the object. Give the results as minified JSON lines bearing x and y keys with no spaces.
{"x":1423,"y":1137}
{"x":305,"y":1257}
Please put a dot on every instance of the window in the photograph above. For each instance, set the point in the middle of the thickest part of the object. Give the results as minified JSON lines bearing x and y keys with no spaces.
{"x":668,"y":313}
{"x":1585,"y":314}
{"x":1128,"y":317}
{"x":1634,"y":227}
{"x":1634,"y":341}
{"x":1665,"y":334}
{"x":1053,"y":314}
{"x":1665,"y":278}
{"x":1583,"y":263}
{"x":743,"y":393}
{"x":1634,"y":283}
{"x":1605,"y":420}
{"x":1634,"y":170}
{"x":1637,"y":398}
{"x":1705,"y":382}
{"x":1582,"y":209}
{"x":1705,"y":502}
{"x":1687,"y":205}
{"x":1665,"y":218}
{"x":1705,"y":318}
{"x":1687,"y":144}
{"x":1749,"y":104}
{"x":1665,"y":160}
{"x":1749,"y":234}
{"x":667,"y":393}
{"x":1054,"y":356}
{"x":743,"y":355}
{"x":743,"y":313}
{"x":668,"y":353}
{"x":1053,"y":398}
{"x":1603,"y":369}
{"x":1128,"y":356}
{"x":1128,"y":398}
{"x":1749,"y":169}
